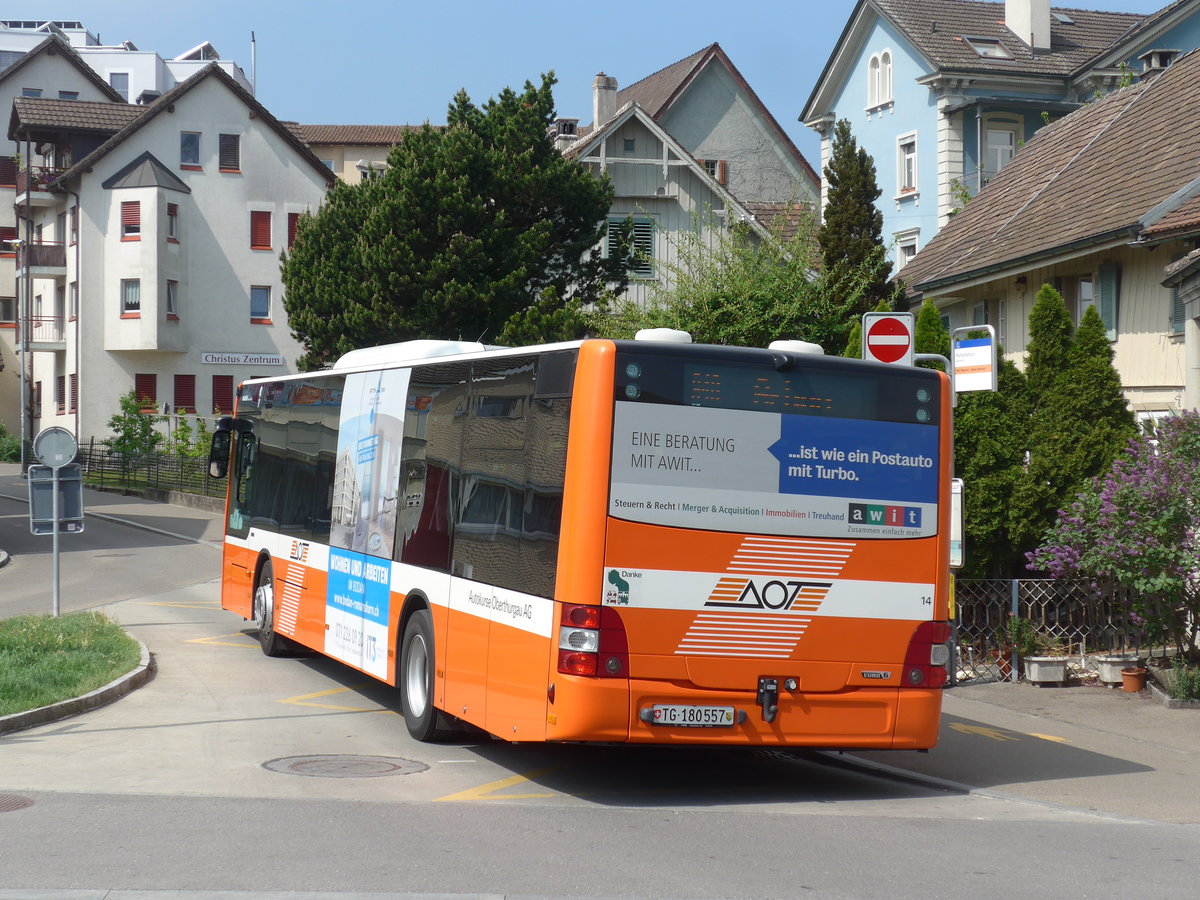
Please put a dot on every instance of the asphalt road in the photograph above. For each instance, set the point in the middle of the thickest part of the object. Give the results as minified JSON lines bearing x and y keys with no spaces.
{"x":232,"y":772}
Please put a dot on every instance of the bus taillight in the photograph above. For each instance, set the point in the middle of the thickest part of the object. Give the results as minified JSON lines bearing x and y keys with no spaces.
{"x":927,"y":656}
{"x":591,"y":641}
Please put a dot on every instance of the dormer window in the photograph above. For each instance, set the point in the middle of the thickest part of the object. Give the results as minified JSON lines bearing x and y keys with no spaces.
{"x":988,"y":48}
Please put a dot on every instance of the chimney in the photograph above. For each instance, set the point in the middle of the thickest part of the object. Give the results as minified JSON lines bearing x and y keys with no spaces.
{"x":1030,"y":21}
{"x":604,"y":99}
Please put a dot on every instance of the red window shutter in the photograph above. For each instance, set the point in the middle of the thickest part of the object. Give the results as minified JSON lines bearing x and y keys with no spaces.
{"x":260,"y":230}
{"x":131,"y":212}
{"x":146,"y":388}
{"x":74,"y":224}
{"x":722,"y":171}
{"x":292,"y":219}
{"x":74,"y":392}
{"x":185,"y":393}
{"x":172,"y":209}
{"x":8,"y":171}
{"x":222,"y":391}
{"x":60,"y":394}
{"x":229,"y":155}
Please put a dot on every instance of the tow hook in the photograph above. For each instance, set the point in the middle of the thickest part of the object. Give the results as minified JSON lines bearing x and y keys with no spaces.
{"x":768,"y":698}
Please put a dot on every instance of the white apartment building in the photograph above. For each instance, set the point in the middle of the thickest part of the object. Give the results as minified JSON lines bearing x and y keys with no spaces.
{"x":150,"y":240}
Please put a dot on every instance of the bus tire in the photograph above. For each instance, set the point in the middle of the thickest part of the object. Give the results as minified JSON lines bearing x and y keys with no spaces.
{"x":424,"y":722}
{"x":264,"y":614}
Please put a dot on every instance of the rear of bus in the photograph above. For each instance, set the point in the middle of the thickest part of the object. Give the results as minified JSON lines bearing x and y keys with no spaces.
{"x":755,"y":549}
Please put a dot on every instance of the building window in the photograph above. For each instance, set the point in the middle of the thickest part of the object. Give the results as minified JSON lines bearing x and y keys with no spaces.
{"x":641,"y":265}
{"x":8,"y":236}
{"x":906,"y":246}
{"x":222,"y":395}
{"x":906,"y":163}
{"x":1085,"y":296}
{"x":879,"y":80}
{"x":1000,"y":145}
{"x":73,"y":298}
{"x":1108,"y":297}
{"x":979,"y":313}
{"x":74,"y":224}
{"x":119,"y":82}
{"x":328,"y":163}
{"x":8,"y":171}
{"x":131,"y":298}
{"x":145,"y":388}
{"x":68,"y":95}
{"x":60,"y":227}
{"x":185,"y":393}
{"x":630,"y":145}
{"x":60,"y":394}
{"x":74,"y":395}
{"x":718,"y":169}
{"x":173,"y":222}
{"x":1002,"y":323}
{"x":260,"y":305}
{"x":131,"y":220}
{"x":260,"y":229}
{"x":172,"y":299}
{"x":31,"y":92}
{"x":988,"y":48}
{"x":292,"y":219}
{"x":229,"y":153}
{"x":8,"y":312}
{"x":189,"y":150}
{"x":37,"y":399}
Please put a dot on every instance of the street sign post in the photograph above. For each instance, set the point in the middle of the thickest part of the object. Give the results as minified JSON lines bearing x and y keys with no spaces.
{"x":976,"y":367}
{"x":55,"y":449}
{"x":888,"y":337}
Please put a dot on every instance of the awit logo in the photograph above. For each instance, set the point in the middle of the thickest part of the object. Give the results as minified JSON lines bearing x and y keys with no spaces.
{"x":878,"y":514}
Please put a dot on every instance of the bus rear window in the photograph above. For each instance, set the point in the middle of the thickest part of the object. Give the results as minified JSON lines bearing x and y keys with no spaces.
{"x":750,"y":380}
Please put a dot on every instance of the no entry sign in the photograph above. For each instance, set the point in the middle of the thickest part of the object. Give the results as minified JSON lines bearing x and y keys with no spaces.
{"x":888,"y":337}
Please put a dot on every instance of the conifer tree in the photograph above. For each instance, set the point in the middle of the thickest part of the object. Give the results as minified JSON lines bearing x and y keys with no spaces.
{"x":931,"y":335}
{"x":852,"y":227}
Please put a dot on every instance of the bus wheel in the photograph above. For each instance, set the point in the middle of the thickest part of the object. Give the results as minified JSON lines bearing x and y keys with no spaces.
{"x":416,"y":679}
{"x":264,"y":614}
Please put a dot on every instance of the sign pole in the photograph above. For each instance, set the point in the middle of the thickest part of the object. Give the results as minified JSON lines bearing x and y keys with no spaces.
{"x":55,"y":606}
{"x":54,"y":447}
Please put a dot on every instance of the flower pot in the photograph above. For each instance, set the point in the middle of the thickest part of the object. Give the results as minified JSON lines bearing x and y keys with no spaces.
{"x":1046,"y":669}
{"x":1133,"y":680}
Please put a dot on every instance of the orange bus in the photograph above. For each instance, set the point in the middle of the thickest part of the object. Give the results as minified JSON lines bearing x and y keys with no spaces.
{"x":635,"y":541}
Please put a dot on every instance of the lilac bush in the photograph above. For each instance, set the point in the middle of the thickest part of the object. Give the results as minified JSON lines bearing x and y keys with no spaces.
{"x":1136,"y":527}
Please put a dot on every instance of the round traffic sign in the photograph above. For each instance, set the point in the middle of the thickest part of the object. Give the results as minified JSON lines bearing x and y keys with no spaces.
{"x":54,"y":446}
{"x":888,"y":339}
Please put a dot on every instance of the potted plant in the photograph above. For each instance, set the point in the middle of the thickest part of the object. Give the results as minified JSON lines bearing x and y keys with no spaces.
{"x":1109,"y":666}
{"x":1048,"y":665}
{"x":1133,"y":679}
{"x":1019,"y":637}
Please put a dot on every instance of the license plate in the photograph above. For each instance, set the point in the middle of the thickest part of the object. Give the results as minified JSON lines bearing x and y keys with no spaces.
{"x":693,"y":716}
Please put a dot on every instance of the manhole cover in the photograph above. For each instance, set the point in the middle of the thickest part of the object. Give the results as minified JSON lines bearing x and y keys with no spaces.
{"x":11,"y":803}
{"x":343,"y":766}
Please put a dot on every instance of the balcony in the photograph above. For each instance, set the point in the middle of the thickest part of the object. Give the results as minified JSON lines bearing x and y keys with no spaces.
{"x":47,"y":333}
{"x":45,"y":260}
{"x":33,"y":185}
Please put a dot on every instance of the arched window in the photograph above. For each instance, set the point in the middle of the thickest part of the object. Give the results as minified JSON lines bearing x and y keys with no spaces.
{"x":879,"y":80}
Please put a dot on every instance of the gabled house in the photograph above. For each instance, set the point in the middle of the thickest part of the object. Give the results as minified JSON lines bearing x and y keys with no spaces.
{"x":662,"y":188}
{"x":150,"y":249}
{"x":943,"y":93}
{"x":1104,"y":205}
{"x":352,"y":152}
{"x":696,"y":115}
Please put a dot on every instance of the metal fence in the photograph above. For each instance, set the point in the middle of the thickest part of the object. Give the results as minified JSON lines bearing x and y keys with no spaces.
{"x":153,"y":471}
{"x":1068,"y":613}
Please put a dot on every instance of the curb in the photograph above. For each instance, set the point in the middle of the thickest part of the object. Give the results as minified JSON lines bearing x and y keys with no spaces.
{"x":114,"y":690}
{"x":4,"y":557}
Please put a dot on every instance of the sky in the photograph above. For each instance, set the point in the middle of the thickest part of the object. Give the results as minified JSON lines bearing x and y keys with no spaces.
{"x":396,"y":62}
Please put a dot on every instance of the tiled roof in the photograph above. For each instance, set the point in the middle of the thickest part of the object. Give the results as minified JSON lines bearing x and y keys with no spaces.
{"x":653,"y":91}
{"x":937,"y":29}
{"x":784,"y":217}
{"x":380,"y":135}
{"x":75,"y":115}
{"x":1097,"y":174}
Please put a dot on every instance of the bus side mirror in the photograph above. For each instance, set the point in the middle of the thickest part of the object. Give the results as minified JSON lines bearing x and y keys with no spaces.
{"x":218,"y":454}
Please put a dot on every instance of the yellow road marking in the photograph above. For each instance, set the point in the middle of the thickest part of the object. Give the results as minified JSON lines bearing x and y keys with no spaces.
{"x":999,"y":734}
{"x":996,"y":734}
{"x":491,"y":790}
{"x":303,"y":700}
{"x":247,"y":643}
{"x":1050,"y":737}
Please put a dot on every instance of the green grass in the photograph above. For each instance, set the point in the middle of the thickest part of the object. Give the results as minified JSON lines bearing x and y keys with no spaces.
{"x":45,"y":660}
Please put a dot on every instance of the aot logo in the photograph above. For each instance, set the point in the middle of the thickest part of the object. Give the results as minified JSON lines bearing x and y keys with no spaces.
{"x":878,"y":514}
{"x":775,"y":594}
{"x":299,"y":551}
